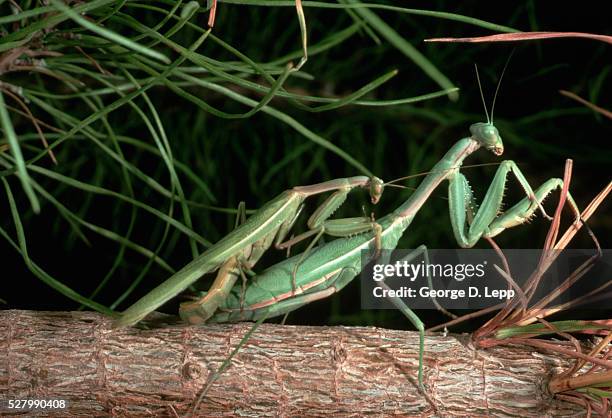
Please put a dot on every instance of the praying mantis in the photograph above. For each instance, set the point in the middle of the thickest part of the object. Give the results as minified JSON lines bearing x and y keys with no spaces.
{"x":247,"y":243}
{"x":331,"y":266}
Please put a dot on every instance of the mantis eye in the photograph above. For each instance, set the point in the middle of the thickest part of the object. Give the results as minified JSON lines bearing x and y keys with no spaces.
{"x":490,"y":133}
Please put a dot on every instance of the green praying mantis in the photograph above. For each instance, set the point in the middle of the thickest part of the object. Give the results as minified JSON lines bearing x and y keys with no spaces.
{"x":333,"y":265}
{"x":247,"y":243}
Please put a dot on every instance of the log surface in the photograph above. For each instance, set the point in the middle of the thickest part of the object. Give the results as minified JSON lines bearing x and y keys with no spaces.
{"x":281,"y":370}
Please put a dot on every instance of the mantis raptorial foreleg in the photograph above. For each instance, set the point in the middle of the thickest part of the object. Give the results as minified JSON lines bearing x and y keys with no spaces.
{"x":524,"y":210}
{"x":486,"y":222}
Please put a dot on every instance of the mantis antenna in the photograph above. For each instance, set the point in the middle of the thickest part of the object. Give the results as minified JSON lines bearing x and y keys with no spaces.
{"x":481,"y":93}
{"x":498,"y":83}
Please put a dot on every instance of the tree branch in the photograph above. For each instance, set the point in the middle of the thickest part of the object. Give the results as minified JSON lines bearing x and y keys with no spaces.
{"x":281,"y":370}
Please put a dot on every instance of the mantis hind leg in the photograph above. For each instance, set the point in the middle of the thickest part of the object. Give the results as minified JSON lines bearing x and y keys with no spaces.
{"x":336,"y":228}
{"x":418,"y":324}
{"x":421,"y":250}
{"x":284,"y":306}
{"x":198,"y":311}
{"x":470,"y":224}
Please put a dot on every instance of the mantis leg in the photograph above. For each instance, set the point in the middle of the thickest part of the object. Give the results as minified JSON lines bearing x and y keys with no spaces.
{"x":198,"y":311}
{"x":418,"y":324}
{"x":408,"y":313}
{"x":335,"y":284}
{"x":320,"y":215}
{"x":521,"y":212}
{"x":485,"y":222}
{"x":337,"y":228}
{"x":319,"y":218}
{"x":418,"y":251}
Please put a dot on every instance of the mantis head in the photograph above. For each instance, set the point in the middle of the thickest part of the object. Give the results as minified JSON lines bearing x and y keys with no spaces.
{"x":376,"y":189}
{"x":487,"y":135}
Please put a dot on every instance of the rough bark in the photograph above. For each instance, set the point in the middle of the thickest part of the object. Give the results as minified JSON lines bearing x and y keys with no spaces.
{"x":281,"y":371}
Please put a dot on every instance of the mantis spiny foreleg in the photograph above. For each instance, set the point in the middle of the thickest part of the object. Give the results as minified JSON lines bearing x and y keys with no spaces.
{"x":486,"y":222}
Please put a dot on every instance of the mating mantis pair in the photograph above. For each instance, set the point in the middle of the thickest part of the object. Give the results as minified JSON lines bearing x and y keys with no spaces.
{"x":328,"y":268}
{"x":248,"y":242}
{"x":333,"y":265}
